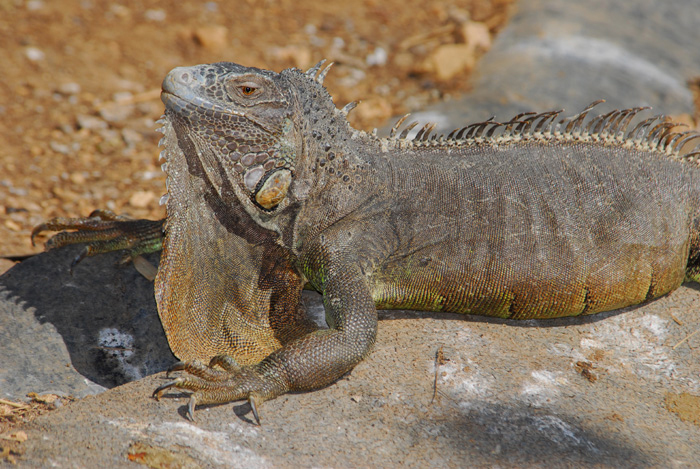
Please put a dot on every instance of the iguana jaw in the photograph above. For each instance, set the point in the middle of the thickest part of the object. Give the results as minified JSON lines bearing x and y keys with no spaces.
{"x":209,"y":237}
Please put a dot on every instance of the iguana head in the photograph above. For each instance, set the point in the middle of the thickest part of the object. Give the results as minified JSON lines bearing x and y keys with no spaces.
{"x":239,"y":121}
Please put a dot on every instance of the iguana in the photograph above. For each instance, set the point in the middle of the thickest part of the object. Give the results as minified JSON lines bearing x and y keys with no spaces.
{"x":270,"y":190}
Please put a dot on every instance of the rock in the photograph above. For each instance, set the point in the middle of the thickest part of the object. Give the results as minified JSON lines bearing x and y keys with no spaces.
{"x":35,"y":5}
{"x":506,"y":394}
{"x":34,"y":54}
{"x":300,"y":56}
{"x":114,"y":112}
{"x":476,"y":35}
{"x":90,"y":122}
{"x":156,"y":14}
{"x":564,"y":54}
{"x":69,"y":88}
{"x":61,"y":332}
{"x":12,"y":225}
{"x":377,"y":58}
{"x":78,"y":178}
{"x":60,"y":147}
{"x":449,"y":60}
{"x":211,"y":37}
{"x":373,"y":110}
{"x":142,"y":199}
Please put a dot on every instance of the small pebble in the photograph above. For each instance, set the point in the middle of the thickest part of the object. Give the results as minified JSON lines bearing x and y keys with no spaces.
{"x":34,"y":54}
{"x":377,"y":58}
{"x":34,"y":5}
{"x":59,"y":147}
{"x":69,"y":88}
{"x":141,"y":199}
{"x":155,"y":15}
{"x":90,"y":122}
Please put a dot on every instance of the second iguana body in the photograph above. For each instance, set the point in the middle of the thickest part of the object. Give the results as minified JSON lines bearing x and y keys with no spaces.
{"x":270,"y":190}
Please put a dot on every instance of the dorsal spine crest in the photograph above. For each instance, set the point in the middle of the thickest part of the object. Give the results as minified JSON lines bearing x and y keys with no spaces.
{"x":653,"y":134}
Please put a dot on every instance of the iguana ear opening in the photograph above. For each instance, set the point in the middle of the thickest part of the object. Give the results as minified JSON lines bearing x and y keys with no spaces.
{"x":273,"y":189}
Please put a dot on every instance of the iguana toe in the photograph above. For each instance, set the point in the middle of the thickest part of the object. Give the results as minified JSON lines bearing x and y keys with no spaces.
{"x":158,"y":392}
{"x":211,"y":386}
{"x":179,"y":366}
{"x":103,"y":231}
{"x":226,"y":362}
{"x":208,"y":372}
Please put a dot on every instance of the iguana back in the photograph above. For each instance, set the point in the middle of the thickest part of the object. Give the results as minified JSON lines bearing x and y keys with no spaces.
{"x":533,"y":227}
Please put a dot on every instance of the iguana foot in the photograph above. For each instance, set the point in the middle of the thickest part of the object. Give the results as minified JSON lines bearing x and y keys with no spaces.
{"x":209,"y":385}
{"x":104,"y":231}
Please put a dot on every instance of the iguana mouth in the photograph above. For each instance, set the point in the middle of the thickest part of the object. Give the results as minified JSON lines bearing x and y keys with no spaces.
{"x":177,"y":103}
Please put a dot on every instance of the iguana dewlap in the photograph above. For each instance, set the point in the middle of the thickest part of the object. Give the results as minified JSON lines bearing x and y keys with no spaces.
{"x":270,"y":190}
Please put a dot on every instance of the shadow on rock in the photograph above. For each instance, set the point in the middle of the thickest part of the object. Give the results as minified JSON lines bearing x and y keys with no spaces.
{"x":105,"y":314}
{"x":519,"y":435}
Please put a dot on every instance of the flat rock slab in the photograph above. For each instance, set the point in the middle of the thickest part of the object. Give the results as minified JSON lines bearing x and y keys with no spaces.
{"x":508,"y":393}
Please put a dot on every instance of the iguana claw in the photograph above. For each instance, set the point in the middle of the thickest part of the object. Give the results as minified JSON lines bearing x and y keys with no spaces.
{"x":207,"y":385}
{"x":179,"y":366}
{"x":190,"y":407}
{"x":191,"y":404}
{"x":158,"y":392}
{"x":251,"y":401}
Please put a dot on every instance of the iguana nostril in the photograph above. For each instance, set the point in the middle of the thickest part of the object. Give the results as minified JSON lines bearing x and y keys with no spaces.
{"x":181,"y":77}
{"x":178,"y":79}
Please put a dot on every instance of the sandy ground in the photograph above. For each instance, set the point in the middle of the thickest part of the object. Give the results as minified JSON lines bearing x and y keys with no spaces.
{"x":79,"y":90}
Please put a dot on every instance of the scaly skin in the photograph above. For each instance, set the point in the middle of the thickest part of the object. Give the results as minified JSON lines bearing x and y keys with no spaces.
{"x":270,"y":191}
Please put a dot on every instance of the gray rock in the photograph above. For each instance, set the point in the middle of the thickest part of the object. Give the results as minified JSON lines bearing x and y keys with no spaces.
{"x":116,"y":112}
{"x":69,"y":88}
{"x":102,"y":321}
{"x":566,"y":54}
{"x":86,"y":121}
{"x":33,"y":357}
{"x":509,"y":394}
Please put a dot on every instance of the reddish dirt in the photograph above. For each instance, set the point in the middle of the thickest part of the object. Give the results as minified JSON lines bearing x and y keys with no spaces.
{"x":79,"y":90}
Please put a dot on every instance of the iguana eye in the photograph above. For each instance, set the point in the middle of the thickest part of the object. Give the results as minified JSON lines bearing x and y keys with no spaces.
{"x":249,"y":88}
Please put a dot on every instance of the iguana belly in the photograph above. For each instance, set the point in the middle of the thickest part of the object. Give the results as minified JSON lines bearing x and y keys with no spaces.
{"x":529,"y":290}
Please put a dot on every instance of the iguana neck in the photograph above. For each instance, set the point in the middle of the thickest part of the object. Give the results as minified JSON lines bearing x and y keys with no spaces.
{"x":337,"y":169}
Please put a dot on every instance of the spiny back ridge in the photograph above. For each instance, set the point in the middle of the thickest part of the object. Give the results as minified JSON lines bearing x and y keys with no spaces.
{"x":653,"y":134}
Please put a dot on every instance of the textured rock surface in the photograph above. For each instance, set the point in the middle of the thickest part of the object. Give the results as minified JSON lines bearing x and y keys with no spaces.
{"x":509,"y":393}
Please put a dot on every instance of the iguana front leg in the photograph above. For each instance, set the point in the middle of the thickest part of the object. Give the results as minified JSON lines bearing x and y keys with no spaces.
{"x":309,"y":362}
{"x":104,"y":231}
